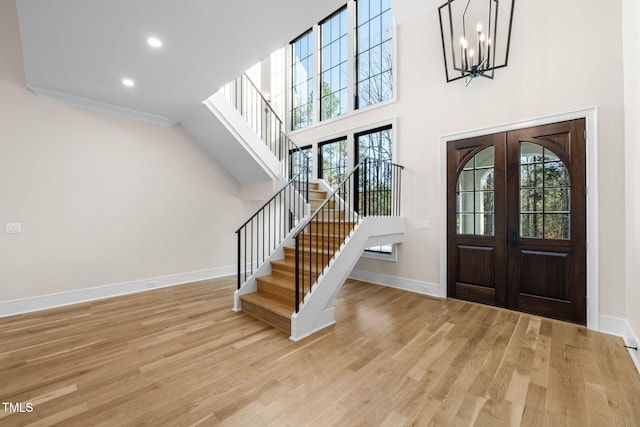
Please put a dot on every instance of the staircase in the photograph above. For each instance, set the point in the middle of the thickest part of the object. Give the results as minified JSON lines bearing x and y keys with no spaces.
{"x":274,"y":300}
{"x":298,"y":249}
{"x":294,"y":287}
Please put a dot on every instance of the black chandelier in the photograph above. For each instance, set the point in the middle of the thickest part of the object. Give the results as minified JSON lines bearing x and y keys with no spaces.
{"x":475,"y":37}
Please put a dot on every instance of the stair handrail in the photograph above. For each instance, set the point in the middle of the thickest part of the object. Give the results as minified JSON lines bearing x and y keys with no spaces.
{"x":267,"y":228}
{"x":256,"y":110}
{"x":263,"y":232}
{"x":290,"y":147}
{"x":347,"y":194}
{"x":286,"y":146}
{"x":270,"y":126}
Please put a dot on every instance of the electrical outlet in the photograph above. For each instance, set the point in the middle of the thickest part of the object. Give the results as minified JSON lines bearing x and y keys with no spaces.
{"x":423,"y":225}
{"x":13,"y":228}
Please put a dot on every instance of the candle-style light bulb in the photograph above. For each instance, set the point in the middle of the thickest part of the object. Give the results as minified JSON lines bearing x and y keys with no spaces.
{"x":480,"y":42}
{"x":481,"y":47}
{"x":463,"y":53}
{"x":471,"y":53}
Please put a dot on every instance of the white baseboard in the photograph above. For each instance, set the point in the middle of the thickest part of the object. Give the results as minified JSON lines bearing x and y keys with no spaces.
{"x":411,"y":285}
{"x":43,"y":302}
{"x":621,"y":328}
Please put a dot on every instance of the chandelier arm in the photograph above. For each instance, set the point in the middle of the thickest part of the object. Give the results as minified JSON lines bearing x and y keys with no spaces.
{"x":484,"y":62}
{"x":506,"y":58}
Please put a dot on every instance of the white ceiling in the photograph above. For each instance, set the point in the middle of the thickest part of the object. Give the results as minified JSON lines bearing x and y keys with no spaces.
{"x":82,"y":49}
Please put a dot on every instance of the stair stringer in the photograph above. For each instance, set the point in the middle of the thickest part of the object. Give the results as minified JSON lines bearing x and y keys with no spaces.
{"x":317,"y":311}
{"x":231,"y":118}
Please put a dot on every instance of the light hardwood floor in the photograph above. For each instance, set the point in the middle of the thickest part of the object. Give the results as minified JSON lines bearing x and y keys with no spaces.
{"x":180,"y":356}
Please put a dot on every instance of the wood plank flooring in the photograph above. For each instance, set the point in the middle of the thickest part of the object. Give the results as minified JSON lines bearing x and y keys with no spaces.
{"x":180,"y":356}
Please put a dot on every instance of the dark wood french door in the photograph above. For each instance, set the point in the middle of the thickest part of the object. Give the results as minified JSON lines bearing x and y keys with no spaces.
{"x":516,"y":220}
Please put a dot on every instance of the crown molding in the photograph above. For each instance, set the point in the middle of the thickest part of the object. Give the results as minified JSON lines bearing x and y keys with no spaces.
{"x":100,"y":107}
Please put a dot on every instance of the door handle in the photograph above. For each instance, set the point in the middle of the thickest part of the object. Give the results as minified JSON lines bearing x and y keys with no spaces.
{"x":513,"y":237}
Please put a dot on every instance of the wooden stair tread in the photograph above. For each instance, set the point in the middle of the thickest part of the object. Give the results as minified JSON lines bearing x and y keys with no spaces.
{"x":327,"y":227}
{"x":273,"y":304}
{"x":305,"y":249}
{"x":333,"y":208}
{"x":282,"y":282}
{"x":322,"y":252}
{"x":319,"y":236}
{"x":290,"y":264}
{"x":268,"y":309}
{"x":332,"y":213}
{"x":320,"y":201}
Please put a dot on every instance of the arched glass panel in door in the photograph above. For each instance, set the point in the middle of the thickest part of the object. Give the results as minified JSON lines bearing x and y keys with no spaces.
{"x":475,"y":195}
{"x":545,"y":194}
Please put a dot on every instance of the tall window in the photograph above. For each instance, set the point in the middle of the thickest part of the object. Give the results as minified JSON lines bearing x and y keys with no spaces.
{"x":255,"y":75}
{"x":376,"y":145}
{"x":332,"y":158}
{"x":374,"y":56}
{"x":302,"y":81}
{"x":333,"y":64}
{"x":278,"y":80}
{"x":545,"y":194}
{"x":475,"y":207}
{"x":299,"y":161}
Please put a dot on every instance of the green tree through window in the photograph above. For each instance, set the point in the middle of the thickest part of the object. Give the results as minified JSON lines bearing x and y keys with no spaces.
{"x":375,"y":181}
{"x":302,"y":81}
{"x":333,"y":161}
{"x":333,"y":63}
{"x":374,"y":56}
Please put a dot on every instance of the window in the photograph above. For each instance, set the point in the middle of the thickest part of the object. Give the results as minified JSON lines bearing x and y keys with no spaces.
{"x":374,"y":56}
{"x":332,"y":161}
{"x":278,"y":80}
{"x":545,"y":202}
{"x":255,"y":75}
{"x":475,"y":195}
{"x":298,"y":160}
{"x":302,"y":81}
{"x":333,"y":65}
{"x":376,"y":145}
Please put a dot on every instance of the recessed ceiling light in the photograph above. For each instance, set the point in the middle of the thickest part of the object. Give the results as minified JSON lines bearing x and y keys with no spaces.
{"x":154,"y":42}
{"x":128,"y":82}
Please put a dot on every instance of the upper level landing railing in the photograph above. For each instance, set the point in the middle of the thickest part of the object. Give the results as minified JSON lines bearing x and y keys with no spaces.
{"x":261,"y":117}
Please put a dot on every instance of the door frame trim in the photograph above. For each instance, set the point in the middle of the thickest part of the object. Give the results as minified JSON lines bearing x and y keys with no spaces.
{"x":591,"y":117}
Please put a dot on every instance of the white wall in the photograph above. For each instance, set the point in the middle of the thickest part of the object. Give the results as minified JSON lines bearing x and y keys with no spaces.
{"x":102,"y":200}
{"x":631,"y":14}
{"x":561,"y":61}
